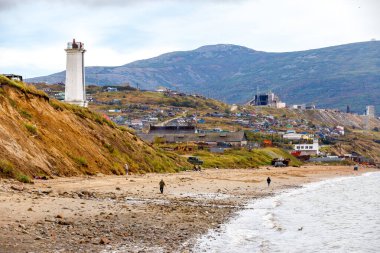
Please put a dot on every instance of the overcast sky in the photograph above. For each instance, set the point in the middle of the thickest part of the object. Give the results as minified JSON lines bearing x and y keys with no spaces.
{"x":115,"y":32}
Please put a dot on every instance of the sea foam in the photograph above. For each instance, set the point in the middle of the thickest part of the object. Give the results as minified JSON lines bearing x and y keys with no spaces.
{"x":335,"y":215}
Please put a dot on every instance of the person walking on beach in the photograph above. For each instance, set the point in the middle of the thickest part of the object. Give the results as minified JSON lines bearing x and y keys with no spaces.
{"x":268,"y":181}
{"x":162,"y":184}
{"x":356,"y":167}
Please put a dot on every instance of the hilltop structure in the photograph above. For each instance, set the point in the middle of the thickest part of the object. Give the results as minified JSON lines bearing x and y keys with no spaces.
{"x":75,"y":90}
{"x":268,"y":99}
{"x":13,"y":77}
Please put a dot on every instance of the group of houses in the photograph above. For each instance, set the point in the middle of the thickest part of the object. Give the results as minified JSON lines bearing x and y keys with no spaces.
{"x":189,"y":134}
{"x":213,"y":138}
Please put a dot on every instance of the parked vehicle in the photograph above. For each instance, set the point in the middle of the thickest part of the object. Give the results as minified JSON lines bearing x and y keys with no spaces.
{"x":194,"y":160}
{"x":285,"y":162}
{"x":279,"y":164}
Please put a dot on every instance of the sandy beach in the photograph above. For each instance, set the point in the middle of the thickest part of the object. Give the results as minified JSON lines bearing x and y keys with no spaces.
{"x":128,"y":213}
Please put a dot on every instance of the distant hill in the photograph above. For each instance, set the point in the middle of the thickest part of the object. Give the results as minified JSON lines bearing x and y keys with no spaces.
{"x":330,"y":77}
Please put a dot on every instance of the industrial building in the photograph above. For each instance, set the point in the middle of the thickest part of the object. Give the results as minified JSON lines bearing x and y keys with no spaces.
{"x":268,"y":99}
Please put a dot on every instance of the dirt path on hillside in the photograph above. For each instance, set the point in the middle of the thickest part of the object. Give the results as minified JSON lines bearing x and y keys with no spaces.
{"x":128,"y":214}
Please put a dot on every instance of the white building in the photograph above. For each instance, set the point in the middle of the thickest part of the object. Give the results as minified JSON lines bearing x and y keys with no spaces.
{"x":308,"y":149}
{"x":75,"y":90}
{"x":370,"y":111}
{"x":292,"y":136}
{"x":280,"y":105}
{"x":301,"y":107}
{"x":340,"y":130}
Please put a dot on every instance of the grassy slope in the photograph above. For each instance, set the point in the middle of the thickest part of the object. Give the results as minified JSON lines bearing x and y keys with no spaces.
{"x":160,"y":100}
{"x":39,"y":136}
{"x":361,"y":142}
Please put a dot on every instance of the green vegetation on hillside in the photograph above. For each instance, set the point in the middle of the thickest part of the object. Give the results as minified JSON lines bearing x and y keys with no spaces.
{"x":160,"y":99}
{"x":8,"y":170}
{"x":26,"y":89}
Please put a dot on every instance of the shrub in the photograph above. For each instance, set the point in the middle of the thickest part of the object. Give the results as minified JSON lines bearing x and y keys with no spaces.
{"x":24,"y":179}
{"x":25,"y":114}
{"x":13,"y":103}
{"x":81,"y":161}
{"x":56,"y":105}
{"x":159,"y":140}
{"x":98,"y":120}
{"x":179,"y":169}
{"x":109,"y":147}
{"x":7,"y":168}
{"x":31,"y":128}
{"x":109,"y":123}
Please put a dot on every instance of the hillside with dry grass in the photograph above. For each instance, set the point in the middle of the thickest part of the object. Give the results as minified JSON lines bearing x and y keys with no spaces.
{"x":44,"y":137}
{"x":319,"y":116}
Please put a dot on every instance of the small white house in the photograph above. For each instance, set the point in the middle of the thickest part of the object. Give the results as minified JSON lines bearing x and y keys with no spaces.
{"x":340,"y":130}
{"x":153,"y":119}
{"x":292,"y":136}
{"x":308,"y":149}
{"x":111,"y":89}
{"x":300,"y":107}
{"x":280,"y":105}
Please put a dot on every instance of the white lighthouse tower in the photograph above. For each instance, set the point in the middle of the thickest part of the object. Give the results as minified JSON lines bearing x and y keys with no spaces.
{"x":75,"y":90}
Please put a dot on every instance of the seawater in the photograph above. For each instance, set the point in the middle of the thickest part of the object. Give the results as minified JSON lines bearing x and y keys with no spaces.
{"x":336,"y":215}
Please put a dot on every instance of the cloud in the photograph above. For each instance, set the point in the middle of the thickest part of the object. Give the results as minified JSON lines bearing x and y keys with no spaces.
{"x":7,"y":4}
{"x":115,"y":32}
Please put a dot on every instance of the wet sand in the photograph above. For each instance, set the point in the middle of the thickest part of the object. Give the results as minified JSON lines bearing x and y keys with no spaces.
{"x":128,"y":213}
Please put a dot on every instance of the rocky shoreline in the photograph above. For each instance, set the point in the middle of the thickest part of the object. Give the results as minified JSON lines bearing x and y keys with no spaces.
{"x":128,"y":214}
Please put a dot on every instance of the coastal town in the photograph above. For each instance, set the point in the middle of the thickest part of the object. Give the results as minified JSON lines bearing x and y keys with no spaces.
{"x":175,"y":120}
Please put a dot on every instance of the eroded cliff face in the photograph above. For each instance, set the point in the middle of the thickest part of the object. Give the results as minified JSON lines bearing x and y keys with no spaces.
{"x":39,"y":136}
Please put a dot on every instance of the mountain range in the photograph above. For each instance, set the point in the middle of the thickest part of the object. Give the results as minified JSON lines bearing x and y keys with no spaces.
{"x":331,"y":77}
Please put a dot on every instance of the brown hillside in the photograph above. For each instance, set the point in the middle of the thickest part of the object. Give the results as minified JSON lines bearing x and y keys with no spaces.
{"x":39,"y":136}
{"x":326,"y":117}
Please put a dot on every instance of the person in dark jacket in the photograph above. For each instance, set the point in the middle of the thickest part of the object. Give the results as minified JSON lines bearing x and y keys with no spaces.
{"x":268,"y":181}
{"x":162,"y":184}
